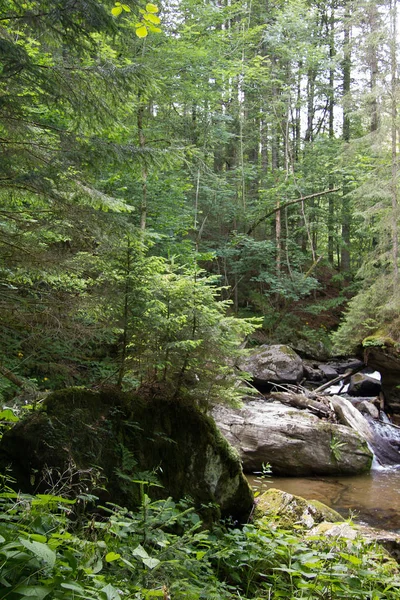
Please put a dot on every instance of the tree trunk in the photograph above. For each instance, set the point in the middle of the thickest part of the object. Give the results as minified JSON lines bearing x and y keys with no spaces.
{"x":394,"y":193}
{"x":331,"y":106}
{"x":346,"y":213}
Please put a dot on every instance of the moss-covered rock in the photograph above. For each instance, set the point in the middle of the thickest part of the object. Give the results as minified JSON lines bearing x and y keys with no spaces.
{"x":386,"y":360}
{"x":121,"y":436}
{"x":290,"y":510}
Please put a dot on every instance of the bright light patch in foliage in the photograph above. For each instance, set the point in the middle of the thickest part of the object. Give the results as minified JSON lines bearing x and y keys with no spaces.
{"x":141,"y":30}
{"x":149,"y":18}
{"x":118,"y":8}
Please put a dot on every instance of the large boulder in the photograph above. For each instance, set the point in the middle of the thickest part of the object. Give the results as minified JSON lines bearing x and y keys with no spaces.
{"x":124,"y":438}
{"x":291,"y":510}
{"x":386,"y":359}
{"x":273,"y":364}
{"x":362,"y":384}
{"x":293,"y":441}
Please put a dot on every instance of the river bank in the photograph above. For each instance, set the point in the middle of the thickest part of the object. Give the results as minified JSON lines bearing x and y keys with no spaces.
{"x":371,"y":499}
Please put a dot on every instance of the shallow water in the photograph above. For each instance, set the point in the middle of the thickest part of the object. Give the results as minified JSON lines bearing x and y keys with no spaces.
{"x":372,"y":499}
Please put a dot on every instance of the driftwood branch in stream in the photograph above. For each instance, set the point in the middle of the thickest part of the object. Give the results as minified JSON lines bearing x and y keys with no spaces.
{"x":342,"y":377}
{"x":319,"y":407}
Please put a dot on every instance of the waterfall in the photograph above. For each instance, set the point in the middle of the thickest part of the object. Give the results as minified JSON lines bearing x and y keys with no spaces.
{"x":382,"y":436}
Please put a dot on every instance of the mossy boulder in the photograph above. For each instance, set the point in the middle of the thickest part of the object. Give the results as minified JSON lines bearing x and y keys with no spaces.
{"x":385,"y":358}
{"x":290,"y":510}
{"x":121,"y":436}
{"x":273,"y":364}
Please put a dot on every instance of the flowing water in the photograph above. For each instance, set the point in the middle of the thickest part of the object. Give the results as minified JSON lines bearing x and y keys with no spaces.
{"x":372,"y":499}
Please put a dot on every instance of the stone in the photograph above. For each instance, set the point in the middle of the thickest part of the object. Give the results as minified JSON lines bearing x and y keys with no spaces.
{"x":312,"y":373}
{"x":362,"y":384}
{"x":346,"y":364}
{"x":127,"y":437}
{"x":349,"y":415}
{"x":389,"y":540}
{"x":368,"y":408}
{"x":328,"y":372}
{"x":290,"y":510}
{"x":386,"y":360}
{"x":273,"y":364}
{"x":294,"y":442}
{"x":313,"y":350}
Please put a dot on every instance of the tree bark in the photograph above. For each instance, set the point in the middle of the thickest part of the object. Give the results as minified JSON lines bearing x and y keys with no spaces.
{"x":346,"y":213}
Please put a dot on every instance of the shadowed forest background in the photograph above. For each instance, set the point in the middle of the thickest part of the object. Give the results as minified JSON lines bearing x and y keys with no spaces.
{"x":166,"y":169}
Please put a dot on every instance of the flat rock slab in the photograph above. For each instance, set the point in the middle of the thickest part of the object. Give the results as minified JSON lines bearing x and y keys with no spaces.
{"x":294,"y":442}
{"x":387,"y":539}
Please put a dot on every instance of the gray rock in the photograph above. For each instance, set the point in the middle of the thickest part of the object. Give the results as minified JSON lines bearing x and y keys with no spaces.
{"x":312,"y":373}
{"x":387,"y":539}
{"x":368,"y":408}
{"x":386,"y":360}
{"x":343,"y":365}
{"x":294,"y":442}
{"x":362,"y":384}
{"x":275,"y":364}
{"x":328,"y":371}
{"x":349,"y":415}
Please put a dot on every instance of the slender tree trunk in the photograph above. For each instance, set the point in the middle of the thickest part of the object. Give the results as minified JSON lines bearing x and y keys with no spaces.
{"x":373,"y":64}
{"x":331,"y":105}
{"x":142,"y":144}
{"x":125,"y":316}
{"x":394,"y":192}
{"x":346,"y":214}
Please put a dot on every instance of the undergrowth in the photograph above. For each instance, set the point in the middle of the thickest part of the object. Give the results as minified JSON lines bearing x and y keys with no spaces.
{"x":162,"y":550}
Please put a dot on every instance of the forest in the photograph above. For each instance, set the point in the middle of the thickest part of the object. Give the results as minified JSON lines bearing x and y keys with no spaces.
{"x":179,"y":180}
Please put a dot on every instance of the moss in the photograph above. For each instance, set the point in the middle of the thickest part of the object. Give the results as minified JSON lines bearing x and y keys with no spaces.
{"x":291,"y":510}
{"x":125,"y":434}
{"x":289,"y":351}
{"x":378,"y":340}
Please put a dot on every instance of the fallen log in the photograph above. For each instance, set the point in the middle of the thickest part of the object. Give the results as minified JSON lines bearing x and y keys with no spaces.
{"x":342,"y":377}
{"x":319,"y":407}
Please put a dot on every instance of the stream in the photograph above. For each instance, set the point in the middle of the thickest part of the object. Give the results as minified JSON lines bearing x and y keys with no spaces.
{"x":371,"y":499}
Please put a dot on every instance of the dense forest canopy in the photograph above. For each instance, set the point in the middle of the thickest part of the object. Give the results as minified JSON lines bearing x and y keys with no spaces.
{"x":169,"y":170}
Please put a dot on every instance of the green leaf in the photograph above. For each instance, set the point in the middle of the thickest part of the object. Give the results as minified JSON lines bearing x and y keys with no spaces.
{"x":117,"y":10}
{"x":152,"y":563}
{"x":44,"y":499}
{"x":141,"y":31}
{"x":152,"y":18}
{"x":33,"y":591}
{"x":71,"y":585}
{"x":151,"y":8}
{"x":126,"y":8}
{"x":41,"y":551}
{"x":153,"y":29}
{"x":140,"y":552}
{"x":110,"y":592}
{"x":111,"y":556}
{"x":8,"y":415}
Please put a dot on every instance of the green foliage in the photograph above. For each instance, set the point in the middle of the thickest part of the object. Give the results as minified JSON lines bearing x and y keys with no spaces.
{"x":163,"y":550}
{"x":372,"y":314}
{"x":177,"y":330}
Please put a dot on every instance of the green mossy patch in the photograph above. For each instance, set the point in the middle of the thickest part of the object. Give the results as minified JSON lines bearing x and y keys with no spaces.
{"x":122,"y":436}
{"x":290,"y":510}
